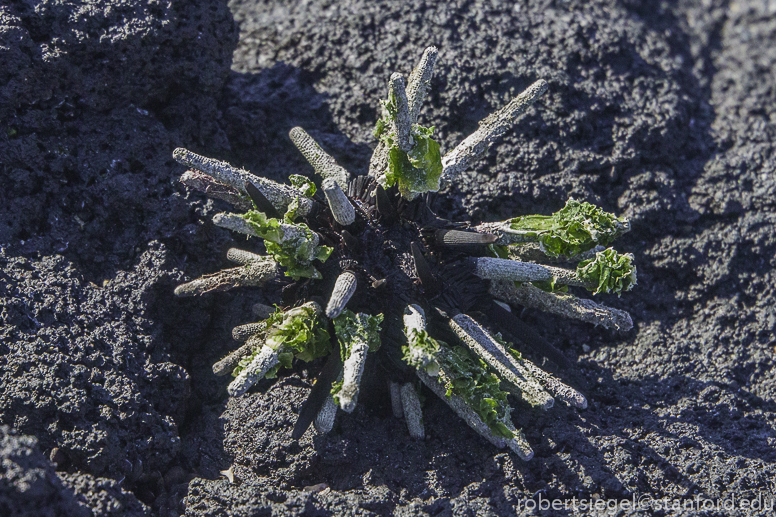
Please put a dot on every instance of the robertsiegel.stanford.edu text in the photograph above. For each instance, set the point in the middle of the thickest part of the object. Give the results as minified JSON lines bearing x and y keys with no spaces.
{"x":760,"y":502}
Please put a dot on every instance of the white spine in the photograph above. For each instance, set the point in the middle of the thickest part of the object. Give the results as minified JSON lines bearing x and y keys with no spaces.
{"x":340,"y":205}
{"x":322,"y":162}
{"x":352,"y":371}
{"x":492,"y":352}
{"x":343,"y":290}
{"x":399,"y":95}
{"x":251,"y":374}
{"x":490,"y":129}
{"x":276,"y":193}
{"x":556,"y":387}
{"x":412,"y":411}
{"x":517,"y":443}
{"x":414,"y":322}
{"x":324,"y":422}
{"x":561,"y":304}
{"x":505,"y":269}
{"x":418,"y":82}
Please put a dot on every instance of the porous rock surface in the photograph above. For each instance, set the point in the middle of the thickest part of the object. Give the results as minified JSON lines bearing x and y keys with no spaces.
{"x":663,"y":112}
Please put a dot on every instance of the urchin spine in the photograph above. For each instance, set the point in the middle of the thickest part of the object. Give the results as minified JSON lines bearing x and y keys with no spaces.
{"x":278,"y":194}
{"x":228,"y":363}
{"x":505,"y":269}
{"x":262,"y":311}
{"x":322,"y":162}
{"x":412,"y":412}
{"x":562,"y":304}
{"x":242,"y":332}
{"x":399,"y":96}
{"x":415,"y":323}
{"x":492,"y":352}
{"x":556,"y":387}
{"x":341,"y":207}
{"x":419,"y":81}
{"x":473,"y":146}
{"x":324,"y":421}
{"x":216,"y":189}
{"x":352,"y":370}
{"x":517,"y":443}
{"x":251,"y":374}
{"x":343,"y":291}
{"x":256,"y":272}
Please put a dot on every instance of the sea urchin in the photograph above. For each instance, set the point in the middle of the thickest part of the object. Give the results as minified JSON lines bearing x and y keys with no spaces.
{"x":409,"y":277}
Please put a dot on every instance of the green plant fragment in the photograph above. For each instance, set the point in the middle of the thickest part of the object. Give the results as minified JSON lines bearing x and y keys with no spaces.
{"x":469,"y":378}
{"x":244,"y":362}
{"x":574,"y":229}
{"x":351,"y":328}
{"x":418,"y":171}
{"x":609,"y":271}
{"x":303,"y":184}
{"x":421,"y":351}
{"x":551,"y":286}
{"x":498,"y":251}
{"x":293,"y":254}
{"x":508,"y":346}
{"x":298,"y":333}
{"x":301,"y":332}
{"x":336,"y":387}
{"x":286,"y":359}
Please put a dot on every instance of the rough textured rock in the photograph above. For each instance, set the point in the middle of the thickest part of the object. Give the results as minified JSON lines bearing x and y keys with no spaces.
{"x":663,"y":112}
{"x":28,"y":483}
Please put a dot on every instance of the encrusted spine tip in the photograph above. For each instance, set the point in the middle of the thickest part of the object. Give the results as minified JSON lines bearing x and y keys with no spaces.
{"x":344,"y":288}
{"x":257,"y":272}
{"x":412,"y":411}
{"x":243,"y":332}
{"x":505,"y":269}
{"x":562,"y":304}
{"x":341,"y":207}
{"x":352,"y":371}
{"x":492,"y":127}
{"x":323,"y":163}
{"x":479,"y":341}
{"x":399,"y":96}
{"x":251,"y":374}
{"x":324,"y":421}
{"x":518,"y":444}
{"x":419,"y":80}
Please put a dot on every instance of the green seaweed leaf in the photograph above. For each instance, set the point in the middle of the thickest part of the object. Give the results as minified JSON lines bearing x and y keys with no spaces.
{"x":293,"y":254}
{"x":609,"y":271}
{"x":421,"y":350}
{"x":303,"y":184}
{"x":336,"y":387}
{"x":301,"y":332}
{"x":245,"y":361}
{"x":574,"y":229}
{"x":350,"y":327}
{"x":470,"y":378}
{"x":419,"y":170}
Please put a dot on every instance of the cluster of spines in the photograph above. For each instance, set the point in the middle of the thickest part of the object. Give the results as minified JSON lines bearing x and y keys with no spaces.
{"x":511,"y":281}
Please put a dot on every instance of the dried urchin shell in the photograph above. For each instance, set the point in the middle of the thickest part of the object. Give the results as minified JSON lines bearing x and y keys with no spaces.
{"x":375,"y":267}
